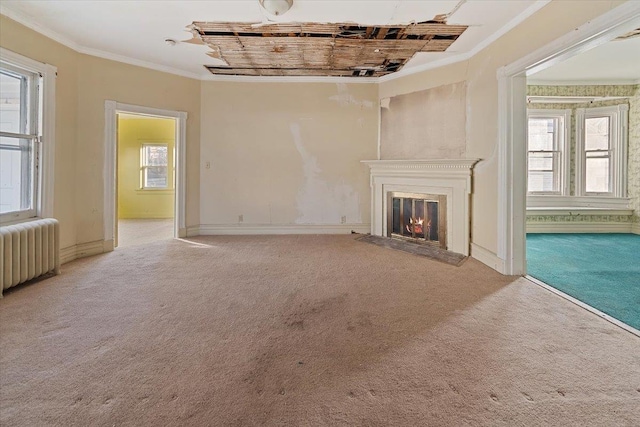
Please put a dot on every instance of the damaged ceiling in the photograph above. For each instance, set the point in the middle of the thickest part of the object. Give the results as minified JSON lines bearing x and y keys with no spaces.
{"x":320,"y":49}
{"x":140,"y":32}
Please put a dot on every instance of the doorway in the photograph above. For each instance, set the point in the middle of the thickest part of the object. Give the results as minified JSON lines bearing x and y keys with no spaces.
{"x":153,"y":153}
{"x":145,"y":179}
{"x":512,"y":124}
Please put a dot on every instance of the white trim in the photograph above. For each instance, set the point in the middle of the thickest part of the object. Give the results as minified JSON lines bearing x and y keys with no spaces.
{"x":467,"y":55}
{"x":538,"y":99}
{"x":579,"y":227}
{"x":575,"y":211}
{"x":48,"y":157}
{"x":55,"y":36}
{"x":620,"y":82}
{"x":82,"y":250}
{"x":581,"y":304}
{"x":192,"y":231}
{"x":564,"y":147}
{"x":487,"y":257}
{"x":445,"y":177}
{"x":512,"y":123}
{"x":602,"y":29}
{"x":46,"y":178}
{"x":111,"y":108}
{"x":260,"y":229}
{"x":205,"y":76}
{"x":110,"y":171}
{"x":635,"y":228}
{"x":576,"y":202}
{"x":618,"y":126}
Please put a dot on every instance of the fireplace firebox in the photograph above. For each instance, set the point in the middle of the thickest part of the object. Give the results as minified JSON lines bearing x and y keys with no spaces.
{"x":420,"y":218}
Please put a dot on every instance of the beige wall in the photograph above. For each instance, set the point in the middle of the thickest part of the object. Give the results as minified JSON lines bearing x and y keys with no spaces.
{"x":83,"y":84}
{"x":287,"y":153}
{"x":100,"y":80}
{"x":551,"y":22}
{"x":19,"y":39}
{"x":280,"y":153}
{"x":429,"y":124}
{"x":133,"y":200}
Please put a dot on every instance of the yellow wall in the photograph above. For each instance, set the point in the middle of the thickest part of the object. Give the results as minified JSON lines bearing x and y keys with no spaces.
{"x":134,"y":202}
{"x":83,"y":85}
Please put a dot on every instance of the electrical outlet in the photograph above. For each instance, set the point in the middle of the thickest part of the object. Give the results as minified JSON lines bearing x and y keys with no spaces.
{"x":240,"y":218}
{"x":207,"y":165}
{"x":343,"y":220}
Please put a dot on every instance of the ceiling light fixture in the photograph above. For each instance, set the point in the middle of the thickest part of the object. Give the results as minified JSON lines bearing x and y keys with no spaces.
{"x":276,"y":7}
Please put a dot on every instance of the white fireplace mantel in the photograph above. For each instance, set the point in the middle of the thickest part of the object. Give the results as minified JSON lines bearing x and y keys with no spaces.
{"x":448,"y":177}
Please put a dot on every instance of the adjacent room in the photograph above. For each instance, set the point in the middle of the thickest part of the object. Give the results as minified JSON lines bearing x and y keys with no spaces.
{"x":145,"y":178}
{"x":304,"y":212}
{"x":583,"y":197}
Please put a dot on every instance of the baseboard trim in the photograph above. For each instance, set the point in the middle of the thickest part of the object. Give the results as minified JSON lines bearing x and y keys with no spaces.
{"x":145,"y":216}
{"x":487,"y":257}
{"x":579,"y":227}
{"x":82,"y":250}
{"x":256,"y":229}
{"x":635,"y":228}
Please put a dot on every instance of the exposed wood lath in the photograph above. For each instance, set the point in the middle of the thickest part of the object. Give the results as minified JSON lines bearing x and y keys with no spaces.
{"x":312,"y":49}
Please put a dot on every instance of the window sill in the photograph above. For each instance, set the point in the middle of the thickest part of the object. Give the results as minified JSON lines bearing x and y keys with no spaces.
{"x":4,"y":222}
{"x":579,"y":203}
{"x":154,"y":192}
{"x":574,"y":211}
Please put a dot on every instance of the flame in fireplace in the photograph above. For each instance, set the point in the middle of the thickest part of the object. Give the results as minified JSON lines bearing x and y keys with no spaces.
{"x":417,"y":225}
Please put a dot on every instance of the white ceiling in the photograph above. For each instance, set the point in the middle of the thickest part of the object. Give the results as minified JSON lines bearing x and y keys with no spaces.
{"x":617,"y":61}
{"x":135,"y":31}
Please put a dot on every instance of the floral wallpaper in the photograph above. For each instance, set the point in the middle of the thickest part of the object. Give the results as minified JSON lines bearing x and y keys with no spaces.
{"x":632,"y":91}
{"x":633,"y":183}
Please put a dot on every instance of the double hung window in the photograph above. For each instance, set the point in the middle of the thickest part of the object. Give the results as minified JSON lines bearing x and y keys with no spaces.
{"x":601,"y":151}
{"x":20,"y":131}
{"x":154,"y":168}
{"x":547,"y":152}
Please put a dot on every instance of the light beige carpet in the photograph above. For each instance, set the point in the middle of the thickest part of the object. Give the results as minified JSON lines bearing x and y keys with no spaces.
{"x":133,"y":232}
{"x":304,"y":330}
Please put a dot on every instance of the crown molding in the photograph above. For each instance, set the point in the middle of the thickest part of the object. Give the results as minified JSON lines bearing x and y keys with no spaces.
{"x":607,"y":82}
{"x":55,"y":36}
{"x":47,"y":32}
{"x":467,"y":55}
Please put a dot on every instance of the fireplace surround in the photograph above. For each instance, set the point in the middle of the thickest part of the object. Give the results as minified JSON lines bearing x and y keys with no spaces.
{"x":398,"y":184}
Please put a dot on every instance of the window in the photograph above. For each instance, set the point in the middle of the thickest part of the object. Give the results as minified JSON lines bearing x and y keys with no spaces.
{"x":155,"y":161}
{"x":588,"y":170}
{"x":547,"y":153}
{"x":20,"y":131}
{"x":601,"y":151}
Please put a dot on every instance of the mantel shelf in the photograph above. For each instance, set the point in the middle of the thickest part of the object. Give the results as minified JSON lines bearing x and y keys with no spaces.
{"x":465,"y":164}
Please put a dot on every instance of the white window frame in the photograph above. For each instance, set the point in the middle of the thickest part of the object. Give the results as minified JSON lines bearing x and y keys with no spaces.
{"x":564,"y":119}
{"x":44,"y":147}
{"x":618,"y":131}
{"x":144,"y":166}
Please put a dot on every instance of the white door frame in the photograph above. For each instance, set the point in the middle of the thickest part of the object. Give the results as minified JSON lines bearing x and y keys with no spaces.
{"x":111,"y":110}
{"x":512,"y":123}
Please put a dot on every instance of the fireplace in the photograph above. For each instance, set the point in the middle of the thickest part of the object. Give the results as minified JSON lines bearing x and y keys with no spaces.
{"x":420,"y":218}
{"x":426,"y":201}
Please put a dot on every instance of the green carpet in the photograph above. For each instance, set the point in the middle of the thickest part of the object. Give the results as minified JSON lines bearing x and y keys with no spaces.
{"x":602,"y":270}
